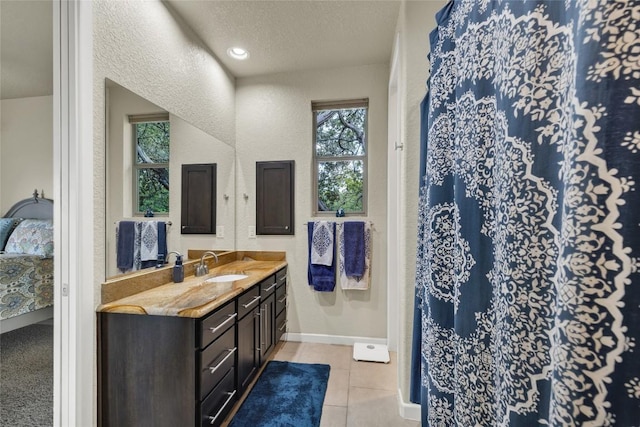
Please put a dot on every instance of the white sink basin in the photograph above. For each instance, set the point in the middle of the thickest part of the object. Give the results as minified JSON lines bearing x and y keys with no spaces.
{"x":226,"y":278}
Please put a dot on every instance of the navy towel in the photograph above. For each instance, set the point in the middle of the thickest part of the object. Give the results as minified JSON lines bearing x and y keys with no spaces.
{"x":354,"y":248}
{"x":125,"y":245}
{"x":321,"y":277}
{"x":162,"y":239}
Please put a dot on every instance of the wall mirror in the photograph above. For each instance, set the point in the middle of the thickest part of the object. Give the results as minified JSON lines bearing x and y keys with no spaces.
{"x":130,"y":190}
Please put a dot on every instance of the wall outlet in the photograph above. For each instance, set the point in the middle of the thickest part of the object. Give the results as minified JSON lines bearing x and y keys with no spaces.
{"x":252,"y":231}
{"x":220,"y":231}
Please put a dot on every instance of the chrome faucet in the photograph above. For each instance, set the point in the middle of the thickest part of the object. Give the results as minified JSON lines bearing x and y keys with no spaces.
{"x":202,"y":268}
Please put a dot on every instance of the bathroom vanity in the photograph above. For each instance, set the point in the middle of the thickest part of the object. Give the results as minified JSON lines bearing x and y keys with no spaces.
{"x":181,"y":354}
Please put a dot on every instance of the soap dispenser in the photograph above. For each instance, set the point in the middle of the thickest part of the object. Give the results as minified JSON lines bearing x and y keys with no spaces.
{"x":178,"y":270}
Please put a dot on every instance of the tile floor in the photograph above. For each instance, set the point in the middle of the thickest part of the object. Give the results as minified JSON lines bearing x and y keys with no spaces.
{"x":358,"y":394}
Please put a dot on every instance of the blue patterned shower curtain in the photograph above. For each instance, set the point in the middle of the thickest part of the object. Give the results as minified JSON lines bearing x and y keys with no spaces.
{"x":528,"y":289}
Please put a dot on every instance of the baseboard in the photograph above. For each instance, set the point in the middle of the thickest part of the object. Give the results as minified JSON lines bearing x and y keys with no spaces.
{"x":410,"y":411}
{"x":331,"y":339}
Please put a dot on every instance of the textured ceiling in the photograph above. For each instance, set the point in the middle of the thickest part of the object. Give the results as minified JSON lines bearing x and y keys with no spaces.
{"x":26,"y":48}
{"x":293,"y":35}
{"x":280,"y":36}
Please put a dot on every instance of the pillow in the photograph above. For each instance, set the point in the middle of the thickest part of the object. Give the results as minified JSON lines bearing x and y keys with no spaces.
{"x":32,"y":237}
{"x":6,"y":227}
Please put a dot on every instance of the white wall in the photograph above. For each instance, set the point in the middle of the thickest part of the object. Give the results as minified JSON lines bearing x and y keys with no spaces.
{"x":274,"y":122}
{"x":26,"y":149}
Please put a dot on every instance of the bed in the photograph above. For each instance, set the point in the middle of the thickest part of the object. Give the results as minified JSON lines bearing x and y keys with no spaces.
{"x":26,"y":263}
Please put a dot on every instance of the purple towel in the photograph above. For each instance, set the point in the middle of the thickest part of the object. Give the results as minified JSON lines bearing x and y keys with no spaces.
{"x":354,"y":248}
{"x":125,"y":246}
{"x":321,"y":277}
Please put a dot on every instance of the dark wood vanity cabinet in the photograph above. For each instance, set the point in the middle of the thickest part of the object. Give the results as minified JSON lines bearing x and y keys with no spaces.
{"x":167,"y":371}
{"x":147,"y":370}
{"x":178,"y":371}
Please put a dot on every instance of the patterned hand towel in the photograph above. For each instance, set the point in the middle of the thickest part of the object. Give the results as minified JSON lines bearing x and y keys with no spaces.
{"x":322,"y":248}
{"x":321,"y":277}
{"x":149,"y":241}
{"x":363,"y":282}
{"x":354,"y":248}
{"x":125,"y":236}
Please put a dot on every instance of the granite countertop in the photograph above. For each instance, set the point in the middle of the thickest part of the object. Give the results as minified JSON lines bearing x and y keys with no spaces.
{"x":193,"y":297}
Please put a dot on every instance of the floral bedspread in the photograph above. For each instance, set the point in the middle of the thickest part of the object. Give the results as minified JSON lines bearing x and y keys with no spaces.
{"x":26,"y":284}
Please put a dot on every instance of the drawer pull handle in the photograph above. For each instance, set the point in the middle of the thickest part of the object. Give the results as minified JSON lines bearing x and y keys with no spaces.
{"x":230,"y":318}
{"x":270,"y":287}
{"x":253,"y":301}
{"x":215,"y":417}
{"x":283,"y":299}
{"x":284,"y":325}
{"x":212,"y":369}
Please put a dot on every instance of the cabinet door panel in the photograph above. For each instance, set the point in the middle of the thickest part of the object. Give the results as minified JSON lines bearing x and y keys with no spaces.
{"x":275,"y":197}
{"x":248,"y":355}
{"x":267,"y":333}
{"x":198,"y":199}
{"x":147,"y":370}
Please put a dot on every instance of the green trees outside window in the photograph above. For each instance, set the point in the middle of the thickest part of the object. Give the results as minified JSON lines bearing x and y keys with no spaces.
{"x":340,"y":161}
{"x":151,"y":167}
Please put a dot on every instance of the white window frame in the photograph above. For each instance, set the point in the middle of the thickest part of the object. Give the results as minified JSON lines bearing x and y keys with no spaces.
{"x":338,"y":105}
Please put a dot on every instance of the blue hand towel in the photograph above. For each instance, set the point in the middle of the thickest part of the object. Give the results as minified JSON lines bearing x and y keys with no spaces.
{"x":124,"y":249}
{"x":321,"y":277}
{"x":354,"y":248}
{"x":162,"y":239}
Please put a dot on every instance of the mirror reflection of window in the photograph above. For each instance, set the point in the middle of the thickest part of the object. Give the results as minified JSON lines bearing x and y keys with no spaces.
{"x":151,"y":164}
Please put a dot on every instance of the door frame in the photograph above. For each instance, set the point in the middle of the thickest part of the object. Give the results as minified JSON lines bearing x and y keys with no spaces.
{"x":74,"y":311}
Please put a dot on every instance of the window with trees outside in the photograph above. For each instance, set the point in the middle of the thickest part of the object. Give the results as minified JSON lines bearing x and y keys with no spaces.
{"x":151,"y":163}
{"x":340,"y":156}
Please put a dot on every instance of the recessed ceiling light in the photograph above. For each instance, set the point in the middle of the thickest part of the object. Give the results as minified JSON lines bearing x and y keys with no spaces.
{"x":237,"y":53}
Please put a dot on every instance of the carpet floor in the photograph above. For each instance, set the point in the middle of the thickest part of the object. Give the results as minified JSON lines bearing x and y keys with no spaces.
{"x":26,"y":377}
{"x":287,"y":394}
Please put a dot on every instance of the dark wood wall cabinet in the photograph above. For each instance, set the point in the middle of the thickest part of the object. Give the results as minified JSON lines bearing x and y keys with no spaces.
{"x":176,"y":371}
{"x":275,"y":197}
{"x":198,"y":199}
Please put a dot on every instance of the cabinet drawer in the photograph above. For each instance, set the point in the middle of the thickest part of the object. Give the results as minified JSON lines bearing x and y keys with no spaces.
{"x":268,"y":286}
{"x":216,"y":360}
{"x":248,"y":301}
{"x":281,"y":276}
{"x":281,"y":298}
{"x":281,"y":324}
{"x":218,"y":404}
{"x":216,"y":324}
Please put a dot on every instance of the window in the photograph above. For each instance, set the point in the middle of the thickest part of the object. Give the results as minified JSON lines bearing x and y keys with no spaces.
{"x":340,"y":156}
{"x":151,"y":163}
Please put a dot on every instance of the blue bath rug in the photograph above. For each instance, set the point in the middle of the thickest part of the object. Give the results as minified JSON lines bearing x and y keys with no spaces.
{"x":286,"y":394}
